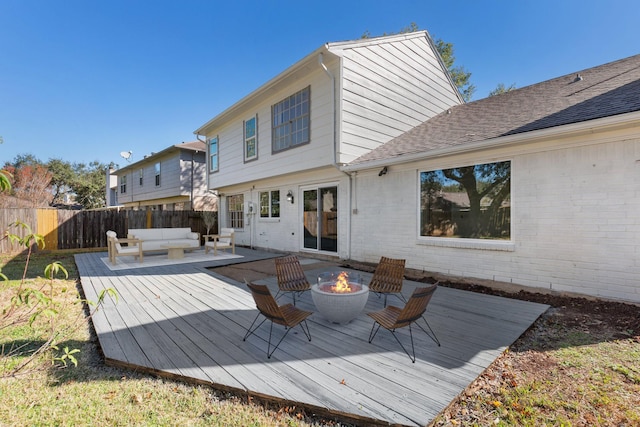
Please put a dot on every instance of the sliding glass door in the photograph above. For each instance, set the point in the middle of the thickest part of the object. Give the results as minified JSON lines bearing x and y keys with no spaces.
{"x":320,"y":219}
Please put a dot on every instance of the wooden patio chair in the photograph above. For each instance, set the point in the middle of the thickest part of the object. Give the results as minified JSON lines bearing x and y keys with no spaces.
{"x":225,"y":240}
{"x":291,"y":277}
{"x":387,"y":278}
{"x":115,"y":248}
{"x":392,"y":318}
{"x":286,"y":315}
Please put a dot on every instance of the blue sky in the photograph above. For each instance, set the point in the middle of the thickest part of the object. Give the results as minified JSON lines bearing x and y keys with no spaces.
{"x":83,"y":80}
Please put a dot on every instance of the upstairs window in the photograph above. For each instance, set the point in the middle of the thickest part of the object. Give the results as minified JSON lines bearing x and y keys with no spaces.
{"x":140,"y":176}
{"x":291,"y":121}
{"x":270,"y":204}
{"x":250,"y":139}
{"x":235,"y":211}
{"x":157,"y":170}
{"x":467,"y":202}
{"x":213,"y":154}
{"x":123,"y":184}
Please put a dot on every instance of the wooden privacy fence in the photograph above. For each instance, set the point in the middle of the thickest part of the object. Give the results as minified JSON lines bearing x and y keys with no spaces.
{"x":65,"y":229}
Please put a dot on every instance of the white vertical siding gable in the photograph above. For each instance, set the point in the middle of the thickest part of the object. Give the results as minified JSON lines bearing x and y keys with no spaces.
{"x":388,"y":86}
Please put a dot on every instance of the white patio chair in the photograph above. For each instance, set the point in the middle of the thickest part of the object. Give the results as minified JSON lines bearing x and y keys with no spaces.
{"x":224,"y":240}
{"x":114,"y":245}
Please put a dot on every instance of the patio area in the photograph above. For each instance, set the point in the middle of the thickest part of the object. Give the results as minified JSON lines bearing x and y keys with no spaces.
{"x":184,"y":321}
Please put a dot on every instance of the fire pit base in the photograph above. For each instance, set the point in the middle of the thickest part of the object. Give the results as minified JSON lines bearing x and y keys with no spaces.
{"x":340,"y":307}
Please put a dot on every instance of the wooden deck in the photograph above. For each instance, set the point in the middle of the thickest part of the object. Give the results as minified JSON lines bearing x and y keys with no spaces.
{"x":185,"y":322}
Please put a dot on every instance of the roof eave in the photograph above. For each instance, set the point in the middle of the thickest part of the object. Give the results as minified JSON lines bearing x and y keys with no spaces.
{"x":151,"y":157}
{"x":288,"y":74}
{"x":590,"y":126}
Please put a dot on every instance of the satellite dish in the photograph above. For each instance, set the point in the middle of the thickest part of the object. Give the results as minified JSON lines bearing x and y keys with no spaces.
{"x":126,"y":154}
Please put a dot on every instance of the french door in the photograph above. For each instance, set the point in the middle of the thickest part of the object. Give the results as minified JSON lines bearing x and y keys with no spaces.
{"x":320,"y":219}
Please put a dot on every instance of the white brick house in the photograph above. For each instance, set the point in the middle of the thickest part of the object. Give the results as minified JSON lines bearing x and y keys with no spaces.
{"x":373,"y":121}
{"x":573,"y":144}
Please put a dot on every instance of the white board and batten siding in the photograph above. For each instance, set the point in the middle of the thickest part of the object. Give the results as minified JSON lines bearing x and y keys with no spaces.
{"x":575,"y":222}
{"x":387,"y":88}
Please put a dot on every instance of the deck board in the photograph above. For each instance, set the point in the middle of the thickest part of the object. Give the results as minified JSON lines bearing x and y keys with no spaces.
{"x":184,"y":321}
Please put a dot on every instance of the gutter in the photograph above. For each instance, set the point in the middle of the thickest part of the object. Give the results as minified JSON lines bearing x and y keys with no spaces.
{"x":334,"y":161}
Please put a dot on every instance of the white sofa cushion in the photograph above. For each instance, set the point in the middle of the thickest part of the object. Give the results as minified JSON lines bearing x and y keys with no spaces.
{"x":154,"y":239}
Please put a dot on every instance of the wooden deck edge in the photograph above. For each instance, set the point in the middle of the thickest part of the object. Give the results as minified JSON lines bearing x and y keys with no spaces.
{"x":249,"y":396}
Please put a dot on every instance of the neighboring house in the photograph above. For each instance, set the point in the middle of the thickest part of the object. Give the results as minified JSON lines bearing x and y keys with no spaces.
{"x":275,"y":157}
{"x":172,"y":179}
{"x":567,"y":154}
{"x":111,"y":192}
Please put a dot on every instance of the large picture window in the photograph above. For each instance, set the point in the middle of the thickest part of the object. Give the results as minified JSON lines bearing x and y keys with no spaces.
{"x":213,"y":154}
{"x":270,"y":204}
{"x":290,"y":125}
{"x":250,"y":139}
{"x":467,"y":202}
{"x":235,"y":211}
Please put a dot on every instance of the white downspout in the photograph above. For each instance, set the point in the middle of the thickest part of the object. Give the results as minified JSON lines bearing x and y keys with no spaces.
{"x":335,"y":147}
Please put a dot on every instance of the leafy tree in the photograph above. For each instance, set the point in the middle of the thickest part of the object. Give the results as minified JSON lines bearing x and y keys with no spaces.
{"x":25,"y":160}
{"x":89,"y":184}
{"x":86,"y":182}
{"x":5,"y":180}
{"x":30,"y":185}
{"x":5,"y":177}
{"x":62,"y":178}
{"x":209,"y":218}
{"x":461,"y":77}
{"x":501,"y":88}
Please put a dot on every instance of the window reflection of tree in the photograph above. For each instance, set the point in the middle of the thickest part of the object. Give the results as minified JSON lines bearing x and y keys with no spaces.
{"x":470,"y":201}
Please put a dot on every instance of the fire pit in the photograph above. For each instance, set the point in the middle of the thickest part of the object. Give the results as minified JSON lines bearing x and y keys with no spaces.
{"x":338,"y":298}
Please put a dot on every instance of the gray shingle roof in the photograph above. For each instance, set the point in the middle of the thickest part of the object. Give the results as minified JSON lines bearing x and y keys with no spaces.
{"x":597,"y":92}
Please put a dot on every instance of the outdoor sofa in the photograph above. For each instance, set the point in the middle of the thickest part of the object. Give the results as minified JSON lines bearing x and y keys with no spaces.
{"x":156,"y":239}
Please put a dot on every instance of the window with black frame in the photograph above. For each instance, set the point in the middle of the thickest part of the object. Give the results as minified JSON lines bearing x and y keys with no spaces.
{"x":467,"y":202}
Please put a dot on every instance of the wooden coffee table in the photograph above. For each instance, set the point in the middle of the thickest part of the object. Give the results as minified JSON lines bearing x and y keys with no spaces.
{"x":176,"y":251}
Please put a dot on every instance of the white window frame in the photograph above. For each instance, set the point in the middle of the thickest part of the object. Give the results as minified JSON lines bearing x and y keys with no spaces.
{"x":267,"y":209}
{"x":250,"y":134}
{"x":235,"y":211}
{"x":214,"y":148}
{"x":291,"y":121}
{"x":123,"y":184}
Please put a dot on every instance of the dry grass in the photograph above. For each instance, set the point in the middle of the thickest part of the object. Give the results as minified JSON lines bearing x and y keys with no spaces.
{"x":576,"y":366}
{"x":95,"y":394}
